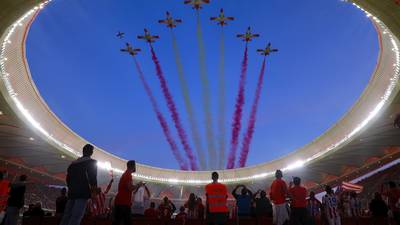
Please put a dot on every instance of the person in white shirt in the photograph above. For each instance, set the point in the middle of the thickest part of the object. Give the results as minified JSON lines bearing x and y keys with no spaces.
{"x":140,"y":197}
{"x":330,"y":207}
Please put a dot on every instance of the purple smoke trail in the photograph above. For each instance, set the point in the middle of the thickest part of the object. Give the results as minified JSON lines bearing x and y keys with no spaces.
{"x":237,"y":116}
{"x":252,"y":120}
{"x":163,"y":123}
{"x":174,"y":113}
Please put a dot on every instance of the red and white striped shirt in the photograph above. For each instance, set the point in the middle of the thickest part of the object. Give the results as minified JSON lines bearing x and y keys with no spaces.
{"x":97,"y":205}
{"x":330,"y":203}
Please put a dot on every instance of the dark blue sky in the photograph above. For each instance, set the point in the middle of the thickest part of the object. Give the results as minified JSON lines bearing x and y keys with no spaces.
{"x":327,"y":52}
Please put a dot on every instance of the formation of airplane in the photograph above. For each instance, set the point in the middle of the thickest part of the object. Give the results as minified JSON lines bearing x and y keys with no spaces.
{"x":169,"y":21}
{"x":120,"y":34}
{"x":267,"y":50}
{"x":130,"y":50}
{"x":248,"y":36}
{"x":222,"y":18}
{"x":197,"y":4}
{"x":148,"y":37}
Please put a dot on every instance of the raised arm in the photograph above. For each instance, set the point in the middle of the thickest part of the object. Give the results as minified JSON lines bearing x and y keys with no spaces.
{"x":92,"y":174}
{"x":234,"y":191}
{"x":109,"y":186}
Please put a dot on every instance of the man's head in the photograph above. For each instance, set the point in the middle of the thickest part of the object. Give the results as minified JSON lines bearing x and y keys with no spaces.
{"x":64,"y":191}
{"x":312,"y":195}
{"x":263,"y":194}
{"x":165,"y":199}
{"x":296,"y":181}
{"x":377,"y":196}
{"x":278,"y":174}
{"x":87,"y":150}
{"x":244,"y":191}
{"x":131,"y":166}
{"x":328,"y":189}
{"x":214,"y":176}
{"x":392,"y":184}
{"x":182,"y":209}
{"x":152,"y":205}
{"x":23,"y":177}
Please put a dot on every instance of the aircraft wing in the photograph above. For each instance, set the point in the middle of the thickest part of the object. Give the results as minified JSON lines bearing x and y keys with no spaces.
{"x":260,"y":50}
{"x":230,"y":18}
{"x":140,"y":37}
{"x":162,"y":21}
{"x":255,"y":35}
{"x":206,"y":1}
{"x":240,"y":35}
{"x":187,"y":2}
{"x":213,"y":18}
{"x":178,"y":21}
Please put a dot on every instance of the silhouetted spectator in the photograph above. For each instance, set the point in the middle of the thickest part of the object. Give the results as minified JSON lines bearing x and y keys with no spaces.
{"x":123,"y":200}
{"x":37,"y":210}
{"x":151,"y":212}
{"x":278,"y":193}
{"x":298,"y":195}
{"x":141,"y":195}
{"x":216,"y":202}
{"x":15,"y":201}
{"x":330,"y":205}
{"x":81,"y":182}
{"x":166,"y":208}
{"x":393,"y":195}
{"x":4,"y":190}
{"x":29,"y":211}
{"x":355,"y":205}
{"x":263,"y":206}
{"x":243,"y":201}
{"x":379,"y":210}
{"x":61,"y":202}
{"x":200,"y":209}
{"x":192,"y":207}
{"x":314,"y":209}
{"x":97,"y":204}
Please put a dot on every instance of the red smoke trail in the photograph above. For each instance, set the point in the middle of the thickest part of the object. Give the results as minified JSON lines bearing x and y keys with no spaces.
{"x":174,"y":113}
{"x":163,"y":123}
{"x":252,"y":120}
{"x":237,"y":116}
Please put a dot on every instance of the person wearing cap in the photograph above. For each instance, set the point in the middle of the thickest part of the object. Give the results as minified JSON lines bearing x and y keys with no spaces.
{"x":298,"y":196}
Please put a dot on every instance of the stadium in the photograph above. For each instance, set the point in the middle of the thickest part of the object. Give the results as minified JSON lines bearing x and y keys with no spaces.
{"x":360,"y":145}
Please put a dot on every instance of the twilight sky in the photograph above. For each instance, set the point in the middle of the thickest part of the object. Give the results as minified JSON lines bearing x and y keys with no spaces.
{"x":327,"y":52}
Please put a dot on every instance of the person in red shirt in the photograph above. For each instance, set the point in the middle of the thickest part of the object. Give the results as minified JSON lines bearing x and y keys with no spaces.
{"x":151,"y":212}
{"x":393,"y":195}
{"x":278,"y":193}
{"x":182,"y":215}
{"x":298,"y":195}
{"x":166,"y":208}
{"x":216,"y":201}
{"x":123,"y":199}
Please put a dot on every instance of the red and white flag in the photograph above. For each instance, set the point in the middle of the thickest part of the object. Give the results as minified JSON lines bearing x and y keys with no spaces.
{"x":352,"y":187}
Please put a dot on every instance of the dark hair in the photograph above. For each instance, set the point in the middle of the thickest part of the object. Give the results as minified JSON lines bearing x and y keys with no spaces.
{"x":1,"y":175}
{"x":278,"y":174}
{"x":63,"y":190}
{"x":182,"y":209}
{"x":214,"y":176}
{"x":296,"y":181}
{"x":328,"y":189}
{"x":23,"y":177}
{"x":392,"y":184}
{"x":131,"y":164}
{"x":87,"y":150}
{"x":192,"y":201}
{"x":152,"y":205}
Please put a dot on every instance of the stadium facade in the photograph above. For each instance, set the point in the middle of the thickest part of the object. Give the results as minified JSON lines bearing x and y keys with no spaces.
{"x":364,"y":139}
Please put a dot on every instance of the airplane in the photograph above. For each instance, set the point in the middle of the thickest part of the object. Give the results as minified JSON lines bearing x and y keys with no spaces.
{"x":221,"y":18}
{"x":196,"y":3}
{"x":120,"y":34}
{"x":247,"y":36}
{"x":130,"y":50}
{"x":169,"y":21}
{"x":148,"y":37}
{"x":267,"y":50}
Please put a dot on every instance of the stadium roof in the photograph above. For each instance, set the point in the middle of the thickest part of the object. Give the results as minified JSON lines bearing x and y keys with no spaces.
{"x":31,"y":135}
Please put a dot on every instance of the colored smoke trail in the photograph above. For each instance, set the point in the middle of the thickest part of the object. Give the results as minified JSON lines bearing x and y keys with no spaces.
{"x":252,"y":120}
{"x":174,"y":113}
{"x":188,"y":104}
{"x":161,"y":119}
{"x":237,"y":116}
{"x":221,"y":102}
{"x":212,"y":154}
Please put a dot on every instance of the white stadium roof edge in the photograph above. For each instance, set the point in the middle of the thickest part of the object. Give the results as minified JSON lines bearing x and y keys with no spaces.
{"x":24,"y":99}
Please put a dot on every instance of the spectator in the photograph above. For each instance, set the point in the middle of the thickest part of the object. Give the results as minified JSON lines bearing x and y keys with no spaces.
{"x":15,"y":201}
{"x":141,"y":195}
{"x":166,"y":208}
{"x":37,"y":210}
{"x":192,"y":207}
{"x":313,"y":209}
{"x":379,"y":210}
{"x":355,"y":205}
{"x":29,"y":211}
{"x":216,"y":201}
{"x":61,"y":201}
{"x":151,"y":212}
{"x":182,"y":216}
{"x":263,"y":204}
{"x":123,"y":199}
{"x":4,"y":190}
{"x":200,"y":209}
{"x":97,"y":205}
{"x":278,"y":195}
{"x":393,"y":195}
{"x":298,"y":195}
{"x":81,"y":182}
{"x":330,"y":206}
{"x":243,"y":201}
